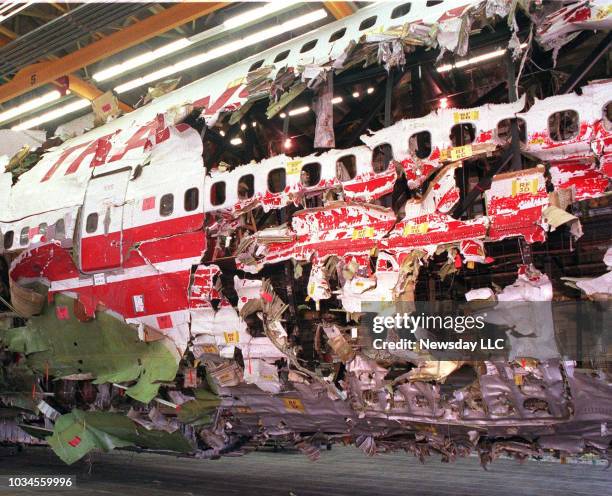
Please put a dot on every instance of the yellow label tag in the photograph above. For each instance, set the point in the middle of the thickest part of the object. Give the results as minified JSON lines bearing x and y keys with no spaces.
{"x":366,"y":232}
{"x":294,"y":404}
{"x":416,"y":228}
{"x":232,"y":337}
{"x":311,"y":289}
{"x":210,"y":348}
{"x":294,"y":167}
{"x":466,"y":115}
{"x":244,"y":409}
{"x":524,"y":186}
{"x":460,"y":152}
{"x":236,"y":82}
{"x":518,"y":379}
{"x":536,"y":141}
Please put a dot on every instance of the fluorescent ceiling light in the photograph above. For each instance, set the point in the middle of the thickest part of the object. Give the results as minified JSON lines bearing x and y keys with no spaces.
{"x":252,"y":15}
{"x":299,"y":110}
{"x":224,"y":50}
{"x":52,"y":115}
{"x":475,"y":60}
{"x":236,"y":141}
{"x":151,"y":55}
{"x":33,"y":104}
{"x":9,"y":9}
{"x":337,"y":99}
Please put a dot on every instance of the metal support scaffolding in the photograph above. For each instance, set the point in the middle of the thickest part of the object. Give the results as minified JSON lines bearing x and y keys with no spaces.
{"x":582,"y":70}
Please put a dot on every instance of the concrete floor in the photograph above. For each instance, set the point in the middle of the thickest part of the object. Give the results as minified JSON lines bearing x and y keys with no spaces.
{"x":342,"y":471}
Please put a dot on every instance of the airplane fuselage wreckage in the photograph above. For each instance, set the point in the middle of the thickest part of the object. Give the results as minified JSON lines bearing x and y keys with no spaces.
{"x":151,"y":303}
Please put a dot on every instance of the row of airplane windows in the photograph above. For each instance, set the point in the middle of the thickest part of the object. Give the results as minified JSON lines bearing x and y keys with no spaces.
{"x":398,"y":12}
{"x":563,"y":125}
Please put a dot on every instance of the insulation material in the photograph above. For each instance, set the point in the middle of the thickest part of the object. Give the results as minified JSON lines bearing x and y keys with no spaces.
{"x":596,"y":288}
{"x":324,"y":109}
{"x":318,"y":286}
{"x":263,"y":374}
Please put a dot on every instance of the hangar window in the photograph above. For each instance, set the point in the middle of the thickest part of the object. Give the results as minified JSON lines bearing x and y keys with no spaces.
{"x":281,"y":56}
{"x":60,"y":229}
{"x":8,"y":239}
{"x":381,"y":157}
{"x":42,"y":228}
{"x":563,"y":125}
{"x":337,"y":35}
{"x":400,"y":10}
{"x":217,"y":193}
{"x":91,"y":223}
{"x":256,"y":65}
{"x":306,"y":47}
{"x":246,"y":187}
{"x":23,"y":236}
{"x":420,"y":144}
{"x":462,"y":134}
{"x":192,"y":199}
{"x":277,"y":179}
{"x":504,"y":131}
{"x":346,"y":168}
{"x":431,"y":3}
{"x":166,"y":205}
{"x":607,"y":116}
{"x":367,"y":23}
{"x":310,"y":175}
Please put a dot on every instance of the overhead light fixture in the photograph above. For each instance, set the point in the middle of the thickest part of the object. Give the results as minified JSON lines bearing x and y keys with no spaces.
{"x":282,"y":115}
{"x":474,"y":60}
{"x":52,"y":115}
{"x":252,"y":15}
{"x":9,"y":9}
{"x":222,"y":132}
{"x":242,"y":126}
{"x":337,"y":99}
{"x":288,"y":143}
{"x":254,"y":124}
{"x":224,"y":50}
{"x":236,"y":141}
{"x":355,"y":94}
{"x":142,"y":59}
{"x":299,"y":110}
{"x":247,"y":17}
{"x":443,"y":103}
{"x":370,"y":90}
{"x":33,"y":104}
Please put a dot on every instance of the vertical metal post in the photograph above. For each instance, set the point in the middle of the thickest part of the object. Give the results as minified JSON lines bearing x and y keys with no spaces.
{"x":416,"y":82}
{"x":388,"y":95}
{"x":514,"y":131}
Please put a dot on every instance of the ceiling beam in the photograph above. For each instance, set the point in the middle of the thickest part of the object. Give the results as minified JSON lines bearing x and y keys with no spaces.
{"x":39,"y":74}
{"x":339,"y":9}
{"x":77,"y":85}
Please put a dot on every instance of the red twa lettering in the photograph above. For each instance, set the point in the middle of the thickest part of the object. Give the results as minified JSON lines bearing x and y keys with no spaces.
{"x":219,"y":103}
{"x":60,"y":160}
{"x":99,"y":148}
{"x":140,"y":139}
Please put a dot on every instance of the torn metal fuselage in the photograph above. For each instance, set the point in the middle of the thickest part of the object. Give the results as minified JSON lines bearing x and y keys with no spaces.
{"x":111,"y":234}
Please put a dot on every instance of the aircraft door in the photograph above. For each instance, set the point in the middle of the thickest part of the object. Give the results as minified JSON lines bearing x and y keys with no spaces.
{"x":101,"y":222}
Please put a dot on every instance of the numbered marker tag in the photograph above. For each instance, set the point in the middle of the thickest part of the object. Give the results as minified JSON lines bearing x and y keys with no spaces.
{"x":294,"y":404}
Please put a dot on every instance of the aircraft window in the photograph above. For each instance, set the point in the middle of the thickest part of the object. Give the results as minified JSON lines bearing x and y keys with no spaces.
{"x":246,"y":187}
{"x":166,"y":205}
{"x":281,"y":56}
{"x":420,"y":144}
{"x":217,"y":193}
{"x":563,"y":125}
{"x":310,"y":175}
{"x":8,"y":239}
{"x":192,"y":199}
{"x":256,"y":65}
{"x":42,"y":228}
{"x":607,"y":116}
{"x":91,"y":224}
{"x":431,"y":3}
{"x":381,"y":157}
{"x":23,"y":237}
{"x":337,"y":35}
{"x":504,"y":131}
{"x":346,"y":168}
{"x":367,"y":23}
{"x":462,"y":134}
{"x":277,"y":179}
{"x":308,"y":46}
{"x":60,"y":229}
{"x":400,"y":10}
